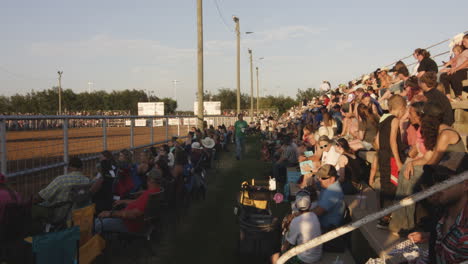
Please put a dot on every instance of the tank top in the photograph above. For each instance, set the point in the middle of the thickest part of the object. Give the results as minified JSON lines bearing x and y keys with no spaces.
{"x":385,"y":151}
{"x":353,"y":169}
{"x":454,"y":153}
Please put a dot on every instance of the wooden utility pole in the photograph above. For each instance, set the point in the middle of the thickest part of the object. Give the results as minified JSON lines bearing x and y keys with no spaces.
{"x":236,"y":20}
{"x":251,"y":88}
{"x":200,"y":64}
{"x":60,"y":91}
{"x":258,"y":99}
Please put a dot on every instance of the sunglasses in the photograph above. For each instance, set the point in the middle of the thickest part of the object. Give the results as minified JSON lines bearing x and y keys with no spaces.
{"x":324,"y":146}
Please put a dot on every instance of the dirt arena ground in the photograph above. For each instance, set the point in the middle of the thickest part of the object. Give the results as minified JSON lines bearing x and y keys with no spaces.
{"x":33,"y":149}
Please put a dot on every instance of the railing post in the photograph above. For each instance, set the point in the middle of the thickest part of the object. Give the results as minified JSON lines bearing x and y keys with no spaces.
{"x":132,"y":128}
{"x":66,"y":157}
{"x":104,"y":134}
{"x":178,"y":127}
{"x":152,"y":131}
{"x":3,"y":147}
{"x":167,"y":129}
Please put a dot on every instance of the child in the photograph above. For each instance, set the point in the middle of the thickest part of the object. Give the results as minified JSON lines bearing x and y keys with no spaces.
{"x":390,"y":152}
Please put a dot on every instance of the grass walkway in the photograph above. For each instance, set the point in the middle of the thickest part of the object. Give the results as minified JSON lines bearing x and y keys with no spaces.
{"x":209,"y":233}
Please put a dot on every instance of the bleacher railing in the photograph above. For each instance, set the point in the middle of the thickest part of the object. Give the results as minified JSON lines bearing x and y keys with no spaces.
{"x":37,"y":148}
{"x":372,"y":217}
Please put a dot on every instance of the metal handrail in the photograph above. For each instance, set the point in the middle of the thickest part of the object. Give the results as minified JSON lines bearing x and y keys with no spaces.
{"x":431,"y":46}
{"x":372,"y":217}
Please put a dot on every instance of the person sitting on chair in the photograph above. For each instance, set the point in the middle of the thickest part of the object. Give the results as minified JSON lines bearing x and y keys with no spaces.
{"x":129,"y":218}
{"x":59,"y":190}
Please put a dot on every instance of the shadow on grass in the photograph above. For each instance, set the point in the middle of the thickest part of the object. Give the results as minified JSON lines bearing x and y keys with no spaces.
{"x":210,"y":232}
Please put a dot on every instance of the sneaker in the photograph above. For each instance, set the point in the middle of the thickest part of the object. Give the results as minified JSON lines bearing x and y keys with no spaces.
{"x":382,"y":224}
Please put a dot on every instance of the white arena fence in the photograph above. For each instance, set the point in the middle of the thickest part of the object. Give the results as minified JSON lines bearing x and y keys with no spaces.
{"x":35,"y":149}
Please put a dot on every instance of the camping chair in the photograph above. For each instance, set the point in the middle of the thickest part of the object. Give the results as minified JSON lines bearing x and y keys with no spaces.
{"x":57,"y":247}
{"x":90,"y":245}
{"x":13,"y":228}
{"x":79,"y":196}
{"x":152,"y":222}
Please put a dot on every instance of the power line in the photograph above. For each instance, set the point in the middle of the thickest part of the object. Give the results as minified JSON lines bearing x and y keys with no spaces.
{"x":221,"y":16}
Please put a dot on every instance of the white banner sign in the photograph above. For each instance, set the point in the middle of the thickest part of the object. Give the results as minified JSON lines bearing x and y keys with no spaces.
{"x":210,"y":108}
{"x":151,"y":108}
{"x":173,"y":121}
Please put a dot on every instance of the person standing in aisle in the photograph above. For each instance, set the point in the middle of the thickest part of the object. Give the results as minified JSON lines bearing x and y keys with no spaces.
{"x":240,"y":127}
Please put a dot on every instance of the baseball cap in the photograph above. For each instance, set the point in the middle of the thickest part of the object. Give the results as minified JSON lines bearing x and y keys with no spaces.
{"x":196,"y":145}
{"x":326,"y":171}
{"x":302,"y":202}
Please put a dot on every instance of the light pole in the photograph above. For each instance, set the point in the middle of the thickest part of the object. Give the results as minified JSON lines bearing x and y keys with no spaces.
{"x":200,"y":64}
{"x":175,"y":89}
{"x":258,"y":99}
{"x":60,"y":91}
{"x":236,"y":20}
{"x":89,"y":86}
{"x":251,"y":86}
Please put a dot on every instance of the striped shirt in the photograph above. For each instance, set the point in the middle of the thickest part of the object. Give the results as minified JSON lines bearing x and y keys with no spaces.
{"x":58,"y":190}
{"x":453,"y":246}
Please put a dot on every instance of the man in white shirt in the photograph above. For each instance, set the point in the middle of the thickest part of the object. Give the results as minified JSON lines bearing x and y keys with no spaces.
{"x":304,"y":227}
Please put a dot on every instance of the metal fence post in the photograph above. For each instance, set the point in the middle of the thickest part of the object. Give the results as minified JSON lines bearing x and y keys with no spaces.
{"x":132,"y":128}
{"x":104,"y":134}
{"x":3,"y":147}
{"x":167,"y":129}
{"x":66,"y":158}
{"x":152,"y":130}
{"x":178,"y":127}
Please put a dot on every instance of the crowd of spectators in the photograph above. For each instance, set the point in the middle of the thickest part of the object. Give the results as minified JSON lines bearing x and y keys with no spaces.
{"x":123,"y":182}
{"x":41,"y":124}
{"x":406,"y":120}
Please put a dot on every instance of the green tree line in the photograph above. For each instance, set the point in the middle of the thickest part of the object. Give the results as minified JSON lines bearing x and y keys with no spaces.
{"x":46,"y":101}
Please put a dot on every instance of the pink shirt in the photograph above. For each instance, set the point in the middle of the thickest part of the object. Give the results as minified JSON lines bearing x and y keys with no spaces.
{"x":461,"y":58}
{"x":5,"y":198}
{"x":420,"y":142}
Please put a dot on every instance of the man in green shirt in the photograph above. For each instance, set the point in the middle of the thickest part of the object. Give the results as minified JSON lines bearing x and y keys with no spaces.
{"x":240,"y":127}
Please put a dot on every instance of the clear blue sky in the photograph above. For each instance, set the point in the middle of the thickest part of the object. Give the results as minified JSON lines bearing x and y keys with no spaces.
{"x":123,"y":44}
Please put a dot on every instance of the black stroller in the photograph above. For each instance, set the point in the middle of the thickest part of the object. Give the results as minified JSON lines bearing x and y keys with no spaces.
{"x":260,"y":234}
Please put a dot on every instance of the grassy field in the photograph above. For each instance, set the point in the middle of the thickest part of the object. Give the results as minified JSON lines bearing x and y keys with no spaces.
{"x":210,"y":233}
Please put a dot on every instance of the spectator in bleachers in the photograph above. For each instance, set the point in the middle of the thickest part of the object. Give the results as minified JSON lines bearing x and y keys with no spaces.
{"x":447,"y":230}
{"x":412,"y":90}
{"x":404,"y":219}
{"x":58,"y":190}
{"x":129,"y":219}
{"x":327,"y":151}
{"x":390,"y":153}
{"x":458,"y":72}
{"x":426,"y":64}
{"x":443,"y":140}
{"x":308,"y":136}
{"x":327,"y":126}
{"x":299,"y":227}
{"x":350,"y":168}
{"x":368,"y":124}
{"x":428,"y":83}
{"x":330,"y":207}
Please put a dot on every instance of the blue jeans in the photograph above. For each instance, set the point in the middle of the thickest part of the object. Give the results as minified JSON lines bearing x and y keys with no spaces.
{"x":109,"y":225}
{"x":239,"y":146}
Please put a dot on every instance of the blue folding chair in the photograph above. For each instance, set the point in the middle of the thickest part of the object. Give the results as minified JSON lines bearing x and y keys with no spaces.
{"x":60,"y":247}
